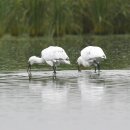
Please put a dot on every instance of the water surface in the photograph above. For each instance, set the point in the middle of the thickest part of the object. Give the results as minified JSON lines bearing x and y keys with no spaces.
{"x":73,"y":101}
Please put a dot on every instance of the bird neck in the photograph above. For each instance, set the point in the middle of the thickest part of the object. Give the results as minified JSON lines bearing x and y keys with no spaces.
{"x":39,"y":60}
{"x":84,"y":62}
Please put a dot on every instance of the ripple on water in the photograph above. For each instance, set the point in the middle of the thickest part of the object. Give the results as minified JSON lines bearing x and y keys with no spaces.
{"x":73,"y":100}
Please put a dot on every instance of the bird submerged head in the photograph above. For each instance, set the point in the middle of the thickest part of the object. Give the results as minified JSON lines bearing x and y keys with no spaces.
{"x":67,"y":61}
{"x":104,"y":57}
{"x":33,"y":60}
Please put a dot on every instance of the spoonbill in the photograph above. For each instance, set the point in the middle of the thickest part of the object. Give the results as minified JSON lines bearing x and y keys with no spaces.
{"x":53,"y":56}
{"x":91,"y":56}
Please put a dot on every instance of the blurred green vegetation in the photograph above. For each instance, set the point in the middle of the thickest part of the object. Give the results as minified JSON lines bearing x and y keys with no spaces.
{"x":15,"y":51}
{"x":61,"y":17}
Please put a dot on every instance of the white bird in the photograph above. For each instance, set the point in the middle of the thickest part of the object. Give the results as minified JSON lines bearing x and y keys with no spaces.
{"x":91,"y":56}
{"x":52,"y":55}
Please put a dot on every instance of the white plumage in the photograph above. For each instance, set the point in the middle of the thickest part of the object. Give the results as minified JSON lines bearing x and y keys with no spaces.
{"x":91,"y":56}
{"x":52,"y":55}
{"x":35,"y":60}
{"x":55,"y":55}
{"x":92,"y":52}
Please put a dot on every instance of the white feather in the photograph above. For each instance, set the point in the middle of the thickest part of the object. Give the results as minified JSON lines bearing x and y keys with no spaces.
{"x":89,"y":55}
{"x":55,"y":55}
{"x":83,"y":62}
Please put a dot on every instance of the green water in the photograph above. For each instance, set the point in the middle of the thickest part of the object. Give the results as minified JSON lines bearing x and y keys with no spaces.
{"x":15,"y":51}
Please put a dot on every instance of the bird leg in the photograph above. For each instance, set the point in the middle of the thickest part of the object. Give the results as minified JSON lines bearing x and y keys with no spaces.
{"x":95,"y":68}
{"x":79,"y":70}
{"x":29,"y":71}
{"x":95,"y":65}
{"x":54,"y":69}
{"x":54,"y":76}
{"x":98,"y":67}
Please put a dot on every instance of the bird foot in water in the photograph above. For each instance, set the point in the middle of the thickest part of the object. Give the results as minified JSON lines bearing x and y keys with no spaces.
{"x":30,"y":76}
{"x":54,"y":76}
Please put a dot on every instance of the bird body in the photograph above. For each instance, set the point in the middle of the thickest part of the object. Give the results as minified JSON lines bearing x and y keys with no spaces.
{"x":55,"y":55}
{"x":91,"y":56}
{"x":93,"y":53}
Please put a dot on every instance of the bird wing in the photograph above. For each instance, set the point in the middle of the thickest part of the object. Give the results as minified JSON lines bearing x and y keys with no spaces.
{"x":54,"y":54}
{"x":60,"y":54}
{"x":47,"y":54}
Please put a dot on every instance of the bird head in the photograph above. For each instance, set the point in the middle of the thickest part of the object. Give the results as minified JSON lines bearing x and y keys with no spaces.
{"x":67,"y":60}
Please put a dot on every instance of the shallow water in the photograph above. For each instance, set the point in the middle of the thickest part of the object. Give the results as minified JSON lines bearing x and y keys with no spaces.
{"x":73,"y":101}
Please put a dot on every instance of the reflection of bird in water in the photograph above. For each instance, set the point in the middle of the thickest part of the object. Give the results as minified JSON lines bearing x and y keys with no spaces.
{"x":91,"y":56}
{"x":52,"y":55}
